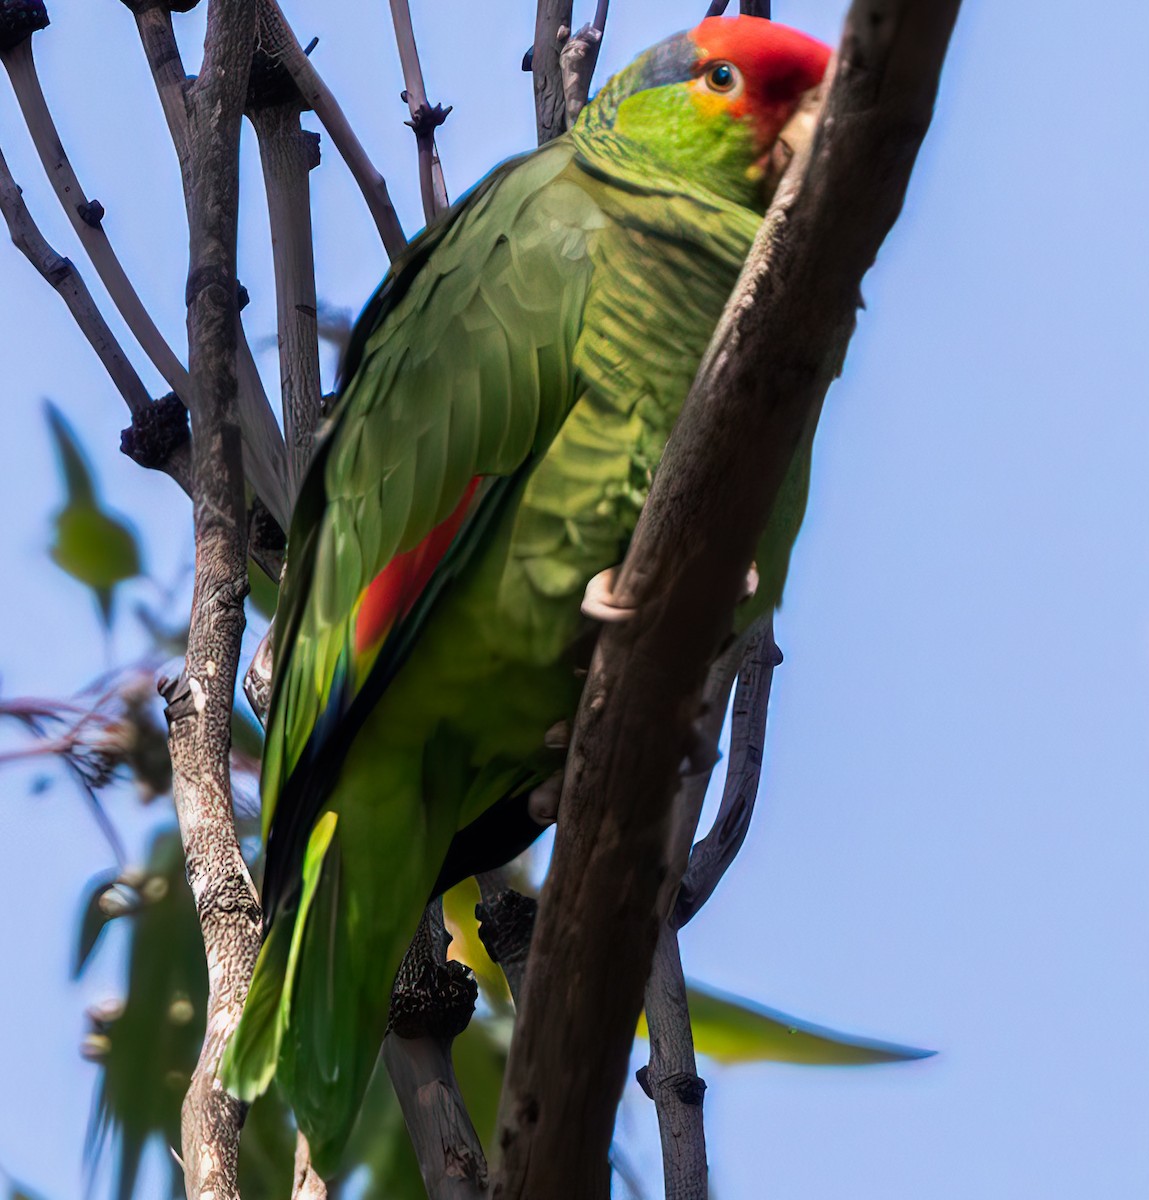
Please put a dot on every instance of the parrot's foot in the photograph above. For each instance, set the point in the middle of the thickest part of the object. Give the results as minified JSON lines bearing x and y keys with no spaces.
{"x":598,"y":599}
{"x":543,"y":802}
{"x":599,"y":604}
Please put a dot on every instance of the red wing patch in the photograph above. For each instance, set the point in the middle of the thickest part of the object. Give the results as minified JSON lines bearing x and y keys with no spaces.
{"x":393,"y":592}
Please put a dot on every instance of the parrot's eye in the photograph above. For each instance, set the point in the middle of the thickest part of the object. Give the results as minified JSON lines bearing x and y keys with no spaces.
{"x":723,"y":78}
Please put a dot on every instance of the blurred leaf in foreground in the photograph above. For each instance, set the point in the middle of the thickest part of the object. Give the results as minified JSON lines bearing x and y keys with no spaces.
{"x":731,"y":1030}
{"x":90,"y":544}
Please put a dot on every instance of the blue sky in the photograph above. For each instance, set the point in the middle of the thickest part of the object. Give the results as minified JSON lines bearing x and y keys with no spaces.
{"x":950,"y":848}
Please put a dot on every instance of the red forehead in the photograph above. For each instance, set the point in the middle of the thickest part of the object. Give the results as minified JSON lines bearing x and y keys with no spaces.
{"x":778,"y":62}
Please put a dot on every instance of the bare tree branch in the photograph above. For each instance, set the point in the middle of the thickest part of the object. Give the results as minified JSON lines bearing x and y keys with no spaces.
{"x":199,"y":702}
{"x":779,"y":345}
{"x":63,"y":276}
{"x":672,"y":1080}
{"x":318,"y":97}
{"x":264,"y":443}
{"x":550,"y":102}
{"x":754,"y":8}
{"x":288,"y":154}
{"x":424,"y":119}
{"x":432,"y":1003}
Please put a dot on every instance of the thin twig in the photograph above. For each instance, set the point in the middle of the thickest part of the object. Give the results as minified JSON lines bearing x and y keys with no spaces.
{"x":779,"y":344}
{"x":755,"y":8}
{"x":61,"y":273}
{"x":425,"y":119}
{"x":712,"y":855}
{"x":578,"y":59}
{"x":672,"y":1080}
{"x":199,"y":702}
{"x":319,"y":98}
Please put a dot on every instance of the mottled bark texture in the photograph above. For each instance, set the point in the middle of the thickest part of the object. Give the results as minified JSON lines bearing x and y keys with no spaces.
{"x":779,"y":345}
{"x":200,"y":700}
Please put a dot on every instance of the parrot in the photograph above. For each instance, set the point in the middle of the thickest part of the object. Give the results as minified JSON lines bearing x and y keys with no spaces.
{"x":504,"y":401}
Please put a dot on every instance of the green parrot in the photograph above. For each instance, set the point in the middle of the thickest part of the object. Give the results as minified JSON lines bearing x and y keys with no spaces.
{"x":508,"y":393}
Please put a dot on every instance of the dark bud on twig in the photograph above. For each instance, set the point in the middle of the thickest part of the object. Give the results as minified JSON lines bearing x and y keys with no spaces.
{"x":91,"y":213}
{"x":642,"y":1076}
{"x":310,"y":46}
{"x":425,"y":119}
{"x":156,"y":432}
{"x":529,"y":59}
{"x":19,"y":19}
{"x":438,"y":1002}
{"x":242,"y":296}
{"x":506,"y":924}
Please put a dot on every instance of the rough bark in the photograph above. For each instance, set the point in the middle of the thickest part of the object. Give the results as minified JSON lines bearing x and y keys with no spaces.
{"x":672,"y":1080}
{"x":779,"y":345}
{"x":550,"y":101}
{"x":432,"y":1003}
{"x":199,"y":701}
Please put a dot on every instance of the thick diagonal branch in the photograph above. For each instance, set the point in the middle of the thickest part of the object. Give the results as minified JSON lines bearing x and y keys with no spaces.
{"x":779,"y":345}
{"x":199,"y":702}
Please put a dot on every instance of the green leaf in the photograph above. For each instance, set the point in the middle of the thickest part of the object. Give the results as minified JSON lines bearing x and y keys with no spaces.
{"x":90,"y":544}
{"x":731,"y":1030}
{"x":73,"y":463}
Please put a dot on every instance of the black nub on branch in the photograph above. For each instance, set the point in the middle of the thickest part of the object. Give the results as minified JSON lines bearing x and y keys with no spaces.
{"x":19,"y":19}
{"x":180,"y":6}
{"x":506,"y":923}
{"x":436,"y":1001}
{"x":156,"y":432}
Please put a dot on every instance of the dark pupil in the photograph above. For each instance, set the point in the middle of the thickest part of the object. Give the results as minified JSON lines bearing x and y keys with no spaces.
{"x":721,"y":76}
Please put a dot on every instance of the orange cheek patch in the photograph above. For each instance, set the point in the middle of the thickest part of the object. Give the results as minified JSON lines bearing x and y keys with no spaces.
{"x":391,"y":595}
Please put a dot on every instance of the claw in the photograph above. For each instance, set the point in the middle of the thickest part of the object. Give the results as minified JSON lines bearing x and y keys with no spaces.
{"x":543,"y":802}
{"x":558,"y":737}
{"x":749,"y":584}
{"x":598,"y":599}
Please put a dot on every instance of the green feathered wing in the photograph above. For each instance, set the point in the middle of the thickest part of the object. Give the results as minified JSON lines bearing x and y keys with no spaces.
{"x":511,"y":390}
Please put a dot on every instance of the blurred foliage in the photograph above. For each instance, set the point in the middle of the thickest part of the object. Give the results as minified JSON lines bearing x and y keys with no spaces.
{"x":90,"y":543}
